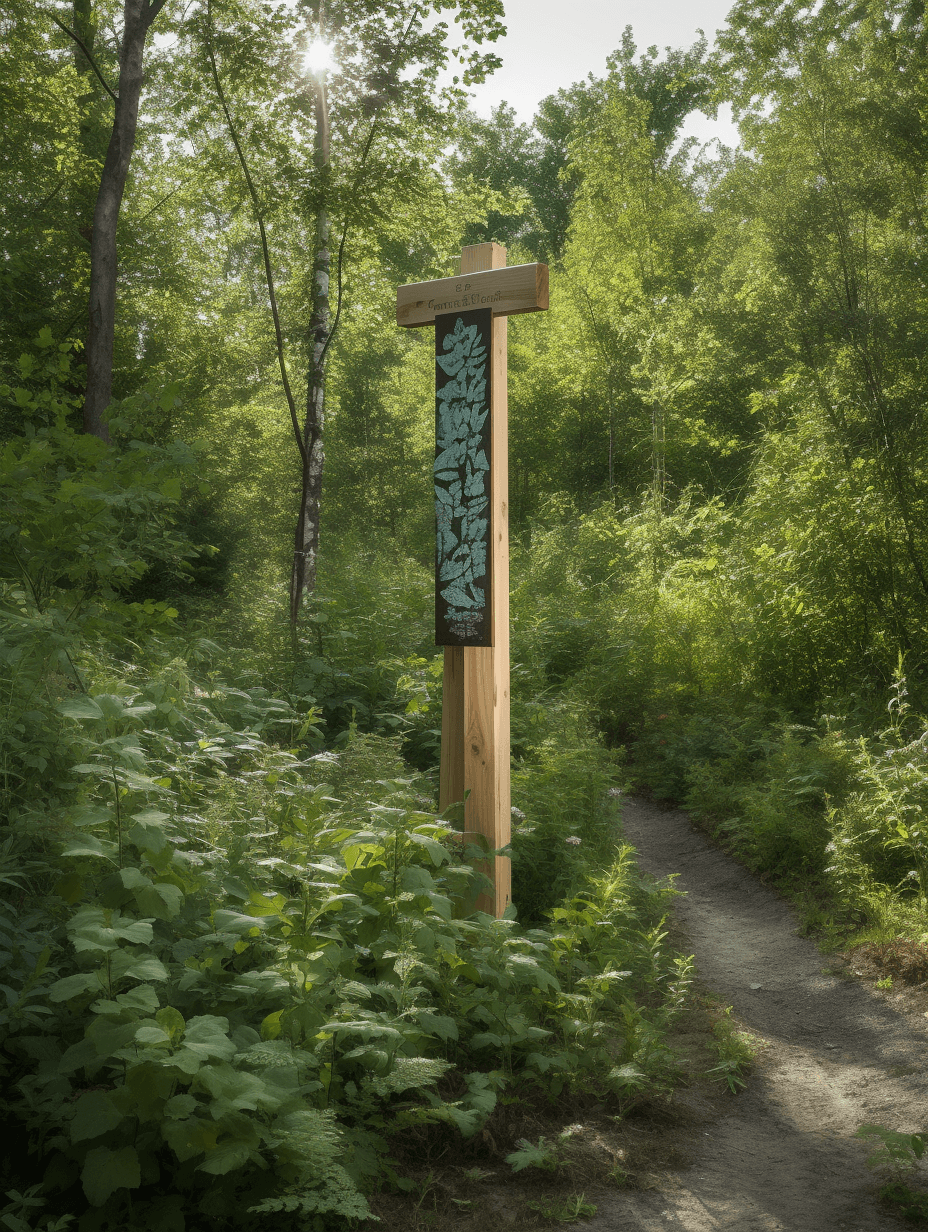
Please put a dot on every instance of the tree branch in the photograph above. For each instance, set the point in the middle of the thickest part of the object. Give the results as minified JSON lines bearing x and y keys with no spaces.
{"x":90,"y":60}
{"x":166,"y":197}
{"x":354,"y":188}
{"x":268,"y":271}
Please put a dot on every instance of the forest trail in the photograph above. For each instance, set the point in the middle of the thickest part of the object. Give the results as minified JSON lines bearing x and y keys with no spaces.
{"x":838,"y":1054}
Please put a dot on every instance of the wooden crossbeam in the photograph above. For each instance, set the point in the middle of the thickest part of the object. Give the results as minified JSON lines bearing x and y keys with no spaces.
{"x":508,"y":291}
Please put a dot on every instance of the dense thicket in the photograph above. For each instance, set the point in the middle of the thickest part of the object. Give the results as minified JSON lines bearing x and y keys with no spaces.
{"x":236,"y":945}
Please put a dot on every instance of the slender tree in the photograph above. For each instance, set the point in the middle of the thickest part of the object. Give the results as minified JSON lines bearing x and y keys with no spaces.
{"x":306,"y":534}
{"x":138,"y":16}
{"x":373,"y":155}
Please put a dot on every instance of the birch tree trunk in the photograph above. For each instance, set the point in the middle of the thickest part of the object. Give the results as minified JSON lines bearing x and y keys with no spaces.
{"x":138,"y":16}
{"x":306,"y":535}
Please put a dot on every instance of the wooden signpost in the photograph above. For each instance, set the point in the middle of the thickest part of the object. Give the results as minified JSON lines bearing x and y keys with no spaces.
{"x":472,"y":530}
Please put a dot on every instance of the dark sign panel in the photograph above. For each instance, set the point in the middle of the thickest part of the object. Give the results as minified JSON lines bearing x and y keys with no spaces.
{"x":462,"y":478}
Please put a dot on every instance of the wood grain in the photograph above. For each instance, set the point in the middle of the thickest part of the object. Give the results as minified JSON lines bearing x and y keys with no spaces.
{"x":508,"y":291}
{"x":487,"y":810}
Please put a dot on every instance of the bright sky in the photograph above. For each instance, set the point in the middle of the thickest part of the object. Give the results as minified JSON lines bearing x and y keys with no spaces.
{"x":551,"y":44}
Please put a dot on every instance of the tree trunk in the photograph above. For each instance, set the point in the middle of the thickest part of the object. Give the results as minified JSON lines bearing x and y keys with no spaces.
{"x":138,"y":16}
{"x":306,"y":536}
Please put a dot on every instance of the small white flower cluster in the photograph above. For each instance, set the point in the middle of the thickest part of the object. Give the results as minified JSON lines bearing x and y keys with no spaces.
{"x":517,"y":813}
{"x":573,"y":840}
{"x":614,"y":793}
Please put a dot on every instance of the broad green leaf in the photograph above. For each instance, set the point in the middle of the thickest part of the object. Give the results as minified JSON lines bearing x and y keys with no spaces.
{"x":188,"y":1061}
{"x":146,"y":968}
{"x":487,"y":1039}
{"x":190,"y":1136}
{"x":439,"y":855}
{"x":70,"y":887}
{"x":151,"y":817}
{"x":81,"y":1054}
{"x":179,"y":1107}
{"x":162,"y":900}
{"x":261,"y":905}
{"x":141,"y":998}
{"x":96,"y":1114}
{"x":105,"y":1171}
{"x":438,"y":1024}
{"x":236,"y":1088}
{"x":227,"y":921}
{"x":94,"y":929}
{"x":270,"y":1026}
{"x":74,"y":986}
{"x":151,"y":1035}
{"x":90,"y":846}
{"x":148,"y":837}
{"x":208,"y":1036}
{"x":132,"y":878}
{"x":225,"y":1157}
{"x":80,"y":708}
{"x":82,"y":815}
{"x":416,"y":880}
{"x":171,"y":1020}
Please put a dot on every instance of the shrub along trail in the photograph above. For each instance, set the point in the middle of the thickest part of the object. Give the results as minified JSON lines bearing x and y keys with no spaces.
{"x":837,"y":1055}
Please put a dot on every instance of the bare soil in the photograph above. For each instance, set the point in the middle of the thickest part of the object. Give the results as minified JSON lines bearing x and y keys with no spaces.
{"x":834,"y":1052}
{"x":838,"y":1053}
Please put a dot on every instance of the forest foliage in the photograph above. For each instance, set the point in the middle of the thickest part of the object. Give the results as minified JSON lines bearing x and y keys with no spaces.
{"x":238,"y":953}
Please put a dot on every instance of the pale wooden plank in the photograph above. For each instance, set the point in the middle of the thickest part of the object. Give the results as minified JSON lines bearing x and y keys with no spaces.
{"x":508,"y":291}
{"x":486,"y":669}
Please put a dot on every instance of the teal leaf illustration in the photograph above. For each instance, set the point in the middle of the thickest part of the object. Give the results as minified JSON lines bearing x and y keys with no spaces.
{"x":476,"y":529}
{"x":448,"y":541}
{"x":452,"y":456}
{"x":451,"y":569}
{"x":474,"y":485}
{"x":456,"y":389}
{"x":460,"y":469}
{"x":453,"y":594}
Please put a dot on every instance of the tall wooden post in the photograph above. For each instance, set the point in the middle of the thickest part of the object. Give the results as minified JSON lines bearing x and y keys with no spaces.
{"x":483,"y":681}
{"x":475,"y":756}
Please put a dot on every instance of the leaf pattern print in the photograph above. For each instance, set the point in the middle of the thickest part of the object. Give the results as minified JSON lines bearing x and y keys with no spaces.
{"x":461,"y":471}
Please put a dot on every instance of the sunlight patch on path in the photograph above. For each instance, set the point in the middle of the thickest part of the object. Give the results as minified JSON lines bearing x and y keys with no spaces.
{"x":782,"y":1159}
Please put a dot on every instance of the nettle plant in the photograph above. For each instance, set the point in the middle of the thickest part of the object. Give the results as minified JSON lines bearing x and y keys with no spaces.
{"x":263,"y":982}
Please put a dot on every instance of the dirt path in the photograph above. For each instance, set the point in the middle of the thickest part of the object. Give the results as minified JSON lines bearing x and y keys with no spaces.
{"x":839,"y":1054}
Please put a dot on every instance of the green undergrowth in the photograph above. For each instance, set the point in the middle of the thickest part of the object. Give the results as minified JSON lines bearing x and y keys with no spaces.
{"x":237,"y":967}
{"x":239,"y":958}
{"x":899,"y":1154}
{"x":836,"y":818}
{"x":654,"y":624}
{"x":911,"y":1204}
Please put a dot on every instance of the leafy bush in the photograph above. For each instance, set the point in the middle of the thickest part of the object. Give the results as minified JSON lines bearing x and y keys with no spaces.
{"x":262,"y":983}
{"x":564,"y":793}
{"x":880,"y":833}
{"x":239,"y":953}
